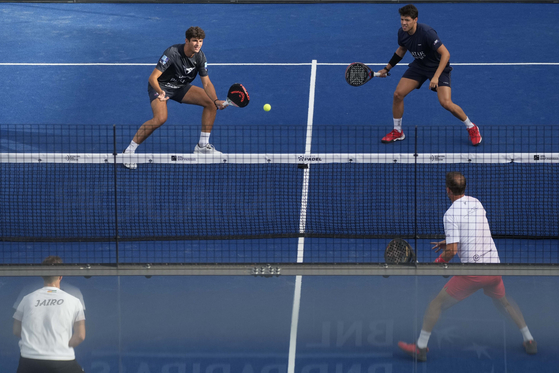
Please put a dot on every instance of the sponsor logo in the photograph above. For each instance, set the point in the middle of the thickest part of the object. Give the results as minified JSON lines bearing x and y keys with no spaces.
{"x":437,"y":157}
{"x":188,"y":70}
{"x":303,"y":158}
{"x":436,"y":42}
{"x":164,"y":59}
{"x":182,"y":158}
{"x":418,"y":55}
{"x":542,"y":157}
{"x":72,"y":158}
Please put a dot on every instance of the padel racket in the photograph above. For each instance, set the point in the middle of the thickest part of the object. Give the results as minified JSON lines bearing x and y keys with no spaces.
{"x":398,"y":251}
{"x":358,"y":74}
{"x":237,"y":96}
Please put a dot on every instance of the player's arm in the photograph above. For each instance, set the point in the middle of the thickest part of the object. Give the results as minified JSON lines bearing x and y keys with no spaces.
{"x":210,"y":91}
{"x":448,"y":251}
{"x":397,"y":57}
{"x":445,"y":57}
{"x":155,"y":74}
{"x":17,"y":328}
{"x":79,"y":334}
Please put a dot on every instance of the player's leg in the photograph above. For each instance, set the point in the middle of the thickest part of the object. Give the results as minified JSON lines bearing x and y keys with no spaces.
{"x":495,"y":289}
{"x":456,"y":289}
{"x":442,"y":302}
{"x":159,"y":109}
{"x":444,"y":93}
{"x":197,"y":96}
{"x":405,"y":86}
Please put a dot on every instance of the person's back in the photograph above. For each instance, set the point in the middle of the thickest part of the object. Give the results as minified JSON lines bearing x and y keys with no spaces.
{"x":49,"y":323}
{"x":47,"y":316}
{"x":466,"y":223}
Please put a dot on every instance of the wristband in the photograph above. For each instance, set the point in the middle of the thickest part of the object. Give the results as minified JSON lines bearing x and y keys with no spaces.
{"x":394,"y":60}
{"x":440,"y":259}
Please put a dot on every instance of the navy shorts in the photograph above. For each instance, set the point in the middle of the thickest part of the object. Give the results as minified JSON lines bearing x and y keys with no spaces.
{"x":48,"y":366}
{"x":175,"y":93}
{"x":421,"y":76}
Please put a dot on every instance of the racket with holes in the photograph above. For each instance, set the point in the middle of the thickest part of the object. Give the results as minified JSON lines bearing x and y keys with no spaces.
{"x":398,"y":251}
{"x":358,"y":74}
{"x":237,"y":96}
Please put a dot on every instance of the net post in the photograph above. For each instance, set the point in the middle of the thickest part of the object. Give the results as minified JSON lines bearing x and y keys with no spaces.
{"x":116,"y":194}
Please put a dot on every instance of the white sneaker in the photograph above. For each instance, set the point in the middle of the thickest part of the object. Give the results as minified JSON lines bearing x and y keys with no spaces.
{"x":130,"y":166}
{"x":206,"y":149}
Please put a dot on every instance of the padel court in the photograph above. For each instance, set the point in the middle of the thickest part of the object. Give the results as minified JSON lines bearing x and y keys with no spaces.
{"x":75,"y":94}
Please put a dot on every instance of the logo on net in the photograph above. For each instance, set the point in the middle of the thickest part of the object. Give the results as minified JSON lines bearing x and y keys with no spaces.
{"x":72,"y":158}
{"x":182,"y":158}
{"x":437,"y":157}
{"x":542,"y":157}
{"x":303,"y":158}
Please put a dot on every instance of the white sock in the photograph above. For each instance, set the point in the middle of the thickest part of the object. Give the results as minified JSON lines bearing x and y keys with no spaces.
{"x":204,"y":139}
{"x":398,"y":124}
{"x":468,"y":123}
{"x":526,"y":334}
{"x":423,"y":339}
{"x":132,"y":147}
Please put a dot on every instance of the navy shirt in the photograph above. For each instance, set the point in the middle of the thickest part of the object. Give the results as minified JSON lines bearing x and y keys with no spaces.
{"x":422,"y":45}
{"x":178,"y":69}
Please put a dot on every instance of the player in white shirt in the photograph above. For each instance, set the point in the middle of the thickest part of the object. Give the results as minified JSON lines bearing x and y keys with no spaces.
{"x":50,"y":323}
{"x":468,"y":235}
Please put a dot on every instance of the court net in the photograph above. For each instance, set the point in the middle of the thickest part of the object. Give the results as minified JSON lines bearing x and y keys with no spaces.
{"x":60,"y":197}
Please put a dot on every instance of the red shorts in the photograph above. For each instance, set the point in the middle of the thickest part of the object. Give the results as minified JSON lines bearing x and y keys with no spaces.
{"x":461,"y":287}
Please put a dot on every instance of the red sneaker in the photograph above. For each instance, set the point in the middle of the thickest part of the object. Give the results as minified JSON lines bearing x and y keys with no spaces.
{"x":531,"y":347}
{"x":394,"y":135}
{"x":475,"y":136}
{"x":412,"y":350}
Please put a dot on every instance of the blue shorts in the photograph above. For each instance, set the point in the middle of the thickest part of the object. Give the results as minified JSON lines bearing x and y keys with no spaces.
{"x":175,"y":93}
{"x":420,"y":75}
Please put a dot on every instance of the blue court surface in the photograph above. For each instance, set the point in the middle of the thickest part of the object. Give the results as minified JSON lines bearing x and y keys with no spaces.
{"x":74,"y":73}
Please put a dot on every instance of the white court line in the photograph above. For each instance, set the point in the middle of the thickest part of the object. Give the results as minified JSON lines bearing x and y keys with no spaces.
{"x":302,"y":227}
{"x":272,"y":64}
{"x":294,"y":325}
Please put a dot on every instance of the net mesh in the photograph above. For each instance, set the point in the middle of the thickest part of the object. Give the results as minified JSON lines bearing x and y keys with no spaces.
{"x":68,"y":196}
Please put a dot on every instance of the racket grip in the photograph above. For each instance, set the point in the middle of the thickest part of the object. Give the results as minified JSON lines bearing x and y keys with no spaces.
{"x":376,"y":75}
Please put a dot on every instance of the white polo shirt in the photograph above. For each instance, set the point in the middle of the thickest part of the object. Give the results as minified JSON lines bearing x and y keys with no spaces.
{"x":47,"y":316}
{"x":465,"y":223}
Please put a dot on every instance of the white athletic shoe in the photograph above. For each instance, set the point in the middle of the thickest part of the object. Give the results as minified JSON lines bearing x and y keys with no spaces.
{"x":130,"y":166}
{"x":206,"y":149}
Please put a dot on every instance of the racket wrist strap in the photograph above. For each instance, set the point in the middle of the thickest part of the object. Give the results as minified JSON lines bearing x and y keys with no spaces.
{"x":440,"y":259}
{"x":394,"y":61}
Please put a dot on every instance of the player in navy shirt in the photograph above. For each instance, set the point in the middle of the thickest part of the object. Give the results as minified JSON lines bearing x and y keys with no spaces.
{"x":431,"y":61}
{"x":177,"y":68}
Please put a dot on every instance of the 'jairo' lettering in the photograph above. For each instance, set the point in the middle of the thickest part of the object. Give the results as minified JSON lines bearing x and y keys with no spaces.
{"x":49,"y":302}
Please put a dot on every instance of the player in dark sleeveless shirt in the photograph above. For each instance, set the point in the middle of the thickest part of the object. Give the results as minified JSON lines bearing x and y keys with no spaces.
{"x":431,"y":61}
{"x":177,"y":68}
